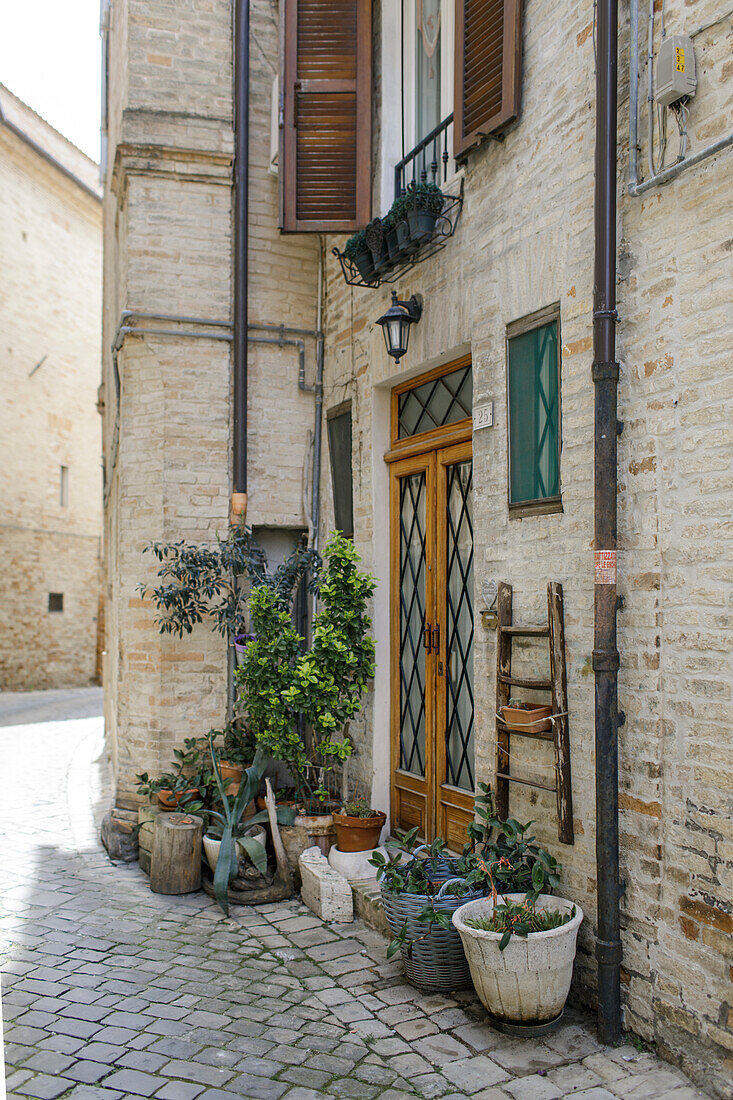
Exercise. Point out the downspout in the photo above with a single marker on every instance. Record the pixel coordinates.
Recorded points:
(605, 652)
(318, 425)
(241, 228)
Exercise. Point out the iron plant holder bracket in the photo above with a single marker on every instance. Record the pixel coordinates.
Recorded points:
(390, 270)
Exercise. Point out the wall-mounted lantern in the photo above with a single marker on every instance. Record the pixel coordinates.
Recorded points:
(396, 324)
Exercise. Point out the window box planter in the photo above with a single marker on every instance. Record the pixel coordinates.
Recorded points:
(421, 225)
(528, 982)
(364, 264)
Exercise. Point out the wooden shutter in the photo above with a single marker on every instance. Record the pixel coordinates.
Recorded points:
(325, 163)
(488, 69)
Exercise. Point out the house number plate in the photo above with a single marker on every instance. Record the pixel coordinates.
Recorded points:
(483, 416)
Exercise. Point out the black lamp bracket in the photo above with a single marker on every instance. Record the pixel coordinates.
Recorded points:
(413, 305)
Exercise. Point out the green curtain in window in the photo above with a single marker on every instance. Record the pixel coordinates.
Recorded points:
(534, 427)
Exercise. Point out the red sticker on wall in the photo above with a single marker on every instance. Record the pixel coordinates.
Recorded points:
(605, 566)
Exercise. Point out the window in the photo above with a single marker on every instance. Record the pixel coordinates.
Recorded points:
(64, 487)
(533, 385)
(427, 45)
(339, 444)
(436, 402)
(55, 601)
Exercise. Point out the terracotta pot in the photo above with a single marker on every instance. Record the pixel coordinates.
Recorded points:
(171, 801)
(233, 772)
(358, 834)
(533, 717)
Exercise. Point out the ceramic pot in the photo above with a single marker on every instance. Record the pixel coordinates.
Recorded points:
(171, 801)
(355, 866)
(240, 643)
(528, 982)
(233, 772)
(531, 717)
(358, 834)
(212, 846)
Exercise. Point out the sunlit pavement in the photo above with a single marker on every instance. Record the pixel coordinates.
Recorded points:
(110, 991)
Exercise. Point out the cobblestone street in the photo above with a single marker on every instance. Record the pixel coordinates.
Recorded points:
(111, 991)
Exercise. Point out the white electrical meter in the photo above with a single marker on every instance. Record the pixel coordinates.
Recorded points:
(676, 77)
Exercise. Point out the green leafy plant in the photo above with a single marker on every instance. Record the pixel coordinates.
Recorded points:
(519, 918)
(424, 196)
(283, 684)
(232, 827)
(355, 245)
(190, 771)
(200, 583)
(358, 807)
(239, 745)
(504, 856)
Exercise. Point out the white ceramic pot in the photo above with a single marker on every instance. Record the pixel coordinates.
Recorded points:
(529, 981)
(355, 866)
(212, 846)
(211, 851)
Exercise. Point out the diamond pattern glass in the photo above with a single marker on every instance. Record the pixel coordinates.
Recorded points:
(459, 740)
(434, 404)
(412, 623)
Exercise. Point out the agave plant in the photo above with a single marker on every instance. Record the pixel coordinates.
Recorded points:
(230, 823)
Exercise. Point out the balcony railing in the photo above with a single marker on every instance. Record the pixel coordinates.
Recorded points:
(428, 161)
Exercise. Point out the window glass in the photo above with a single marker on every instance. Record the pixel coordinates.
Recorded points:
(441, 401)
(339, 445)
(534, 415)
(427, 69)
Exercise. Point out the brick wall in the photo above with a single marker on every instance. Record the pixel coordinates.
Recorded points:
(50, 256)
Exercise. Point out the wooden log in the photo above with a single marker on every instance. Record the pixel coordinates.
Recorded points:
(175, 863)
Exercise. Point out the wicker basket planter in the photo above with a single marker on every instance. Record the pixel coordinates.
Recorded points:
(528, 982)
(437, 962)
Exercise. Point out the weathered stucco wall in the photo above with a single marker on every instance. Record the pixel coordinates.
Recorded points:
(168, 221)
(525, 240)
(50, 308)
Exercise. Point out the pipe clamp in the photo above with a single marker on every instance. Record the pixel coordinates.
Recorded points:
(606, 660)
(605, 372)
(609, 952)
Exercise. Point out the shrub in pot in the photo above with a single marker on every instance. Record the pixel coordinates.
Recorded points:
(357, 250)
(424, 204)
(238, 751)
(189, 782)
(286, 687)
(503, 856)
(358, 826)
(376, 239)
(419, 897)
(520, 952)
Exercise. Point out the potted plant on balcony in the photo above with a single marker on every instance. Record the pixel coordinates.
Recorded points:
(357, 250)
(423, 206)
(399, 242)
(376, 239)
(358, 826)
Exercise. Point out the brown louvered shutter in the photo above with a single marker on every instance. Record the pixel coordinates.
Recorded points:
(325, 163)
(488, 69)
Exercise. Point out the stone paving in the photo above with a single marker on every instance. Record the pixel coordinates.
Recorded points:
(110, 991)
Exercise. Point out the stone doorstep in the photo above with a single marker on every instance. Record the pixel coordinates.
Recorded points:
(368, 906)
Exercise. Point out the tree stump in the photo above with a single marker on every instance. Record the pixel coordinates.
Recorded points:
(175, 862)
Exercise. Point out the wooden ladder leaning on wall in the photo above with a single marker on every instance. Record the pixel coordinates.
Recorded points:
(557, 685)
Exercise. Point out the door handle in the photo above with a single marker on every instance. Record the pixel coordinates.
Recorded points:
(435, 639)
(427, 637)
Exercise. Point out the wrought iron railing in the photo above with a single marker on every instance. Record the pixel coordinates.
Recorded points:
(429, 161)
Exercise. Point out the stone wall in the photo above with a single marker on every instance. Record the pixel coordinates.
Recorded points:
(524, 241)
(50, 306)
(168, 232)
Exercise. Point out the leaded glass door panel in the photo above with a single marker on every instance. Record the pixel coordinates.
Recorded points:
(413, 690)
(455, 764)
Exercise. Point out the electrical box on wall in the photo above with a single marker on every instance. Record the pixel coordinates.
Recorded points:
(676, 77)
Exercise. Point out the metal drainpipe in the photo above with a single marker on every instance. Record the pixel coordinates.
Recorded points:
(241, 229)
(605, 652)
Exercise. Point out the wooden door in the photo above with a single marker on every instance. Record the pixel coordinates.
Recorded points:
(432, 642)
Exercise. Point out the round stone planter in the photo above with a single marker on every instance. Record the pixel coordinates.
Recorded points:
(355, 866)
(529, 981)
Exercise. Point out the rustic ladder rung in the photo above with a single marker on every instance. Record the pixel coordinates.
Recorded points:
(554, 631)
(526, 631)
(537, 735)
(526, 782)
(522, 682)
